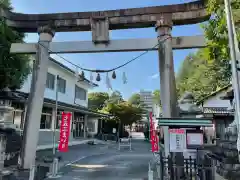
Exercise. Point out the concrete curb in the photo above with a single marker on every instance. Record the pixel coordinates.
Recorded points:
(72, 143)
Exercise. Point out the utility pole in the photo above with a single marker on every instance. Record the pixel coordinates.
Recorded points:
(55, 164)
(56, 118)
(233, 53)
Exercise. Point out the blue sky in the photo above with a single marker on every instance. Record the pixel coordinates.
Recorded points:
(141, 74)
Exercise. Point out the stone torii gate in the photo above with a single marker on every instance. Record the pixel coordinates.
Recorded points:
(100, 22)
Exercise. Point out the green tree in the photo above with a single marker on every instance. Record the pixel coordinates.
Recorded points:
(216, 34)
(15, 68)
(208, 69)
(115, 97)
(97, 100)
(197, 75)
(156, 97)
(135, 99)
(124, 112)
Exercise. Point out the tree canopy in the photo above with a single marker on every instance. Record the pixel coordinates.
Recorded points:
(156, 97)
(97, 100)
(115, 97)
(124, 112)
(14, 67)
(135, 99)
(208, 69)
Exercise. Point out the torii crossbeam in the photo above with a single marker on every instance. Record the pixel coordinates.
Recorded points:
(187, 42)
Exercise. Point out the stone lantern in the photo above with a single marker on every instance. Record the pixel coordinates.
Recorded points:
(6, 109)
(7, 128)
(188, 108)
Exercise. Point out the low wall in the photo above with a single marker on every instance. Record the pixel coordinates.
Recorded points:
(46, 136)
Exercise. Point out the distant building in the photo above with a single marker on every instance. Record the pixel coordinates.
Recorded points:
(146, 98)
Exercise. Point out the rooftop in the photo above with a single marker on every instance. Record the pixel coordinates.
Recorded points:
(225, 88)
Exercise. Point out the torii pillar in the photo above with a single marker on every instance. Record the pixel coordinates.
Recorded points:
(167, 77)
(36, 97)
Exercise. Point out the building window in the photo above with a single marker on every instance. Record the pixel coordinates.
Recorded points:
(46, 120)
(50, 81)
(61, 85)
(80, 93)
(91, 126)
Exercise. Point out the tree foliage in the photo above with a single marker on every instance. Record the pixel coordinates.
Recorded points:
(14, 68)
(156, 97)
(97, 100)
(199, 76)
(124, 112)
(135, 99)
(208, 69)
(115, 97)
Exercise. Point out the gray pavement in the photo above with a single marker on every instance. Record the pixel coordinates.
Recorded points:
(76, 152)
(218, 177)
(108, 163)
(113, 164)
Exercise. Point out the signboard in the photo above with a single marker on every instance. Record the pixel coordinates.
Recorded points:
(64, 132)
(194, 139)
(177, 139)
(153, 135)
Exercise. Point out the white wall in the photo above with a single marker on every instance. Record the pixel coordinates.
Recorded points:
(69, 95)
(215, 101)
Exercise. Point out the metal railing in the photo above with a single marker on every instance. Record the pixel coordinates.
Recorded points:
(180, 168)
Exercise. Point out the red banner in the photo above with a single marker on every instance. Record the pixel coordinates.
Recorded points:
(64, 132)
(153, 135)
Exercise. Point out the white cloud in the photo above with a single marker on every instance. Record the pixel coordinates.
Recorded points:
(154, 76)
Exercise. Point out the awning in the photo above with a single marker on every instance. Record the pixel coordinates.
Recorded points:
(62, 105)
(75, 108)
(185, 122)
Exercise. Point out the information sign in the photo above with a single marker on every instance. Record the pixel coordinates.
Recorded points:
(177, 140)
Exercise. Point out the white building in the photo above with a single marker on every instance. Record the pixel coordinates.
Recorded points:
(218, 108)
(72, 97)
(146, 98)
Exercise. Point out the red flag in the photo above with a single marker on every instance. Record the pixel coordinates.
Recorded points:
(153, 135)
(64, 132)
